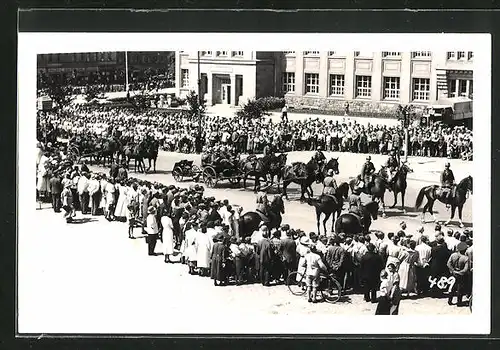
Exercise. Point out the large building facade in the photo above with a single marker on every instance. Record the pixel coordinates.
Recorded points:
(371, 82)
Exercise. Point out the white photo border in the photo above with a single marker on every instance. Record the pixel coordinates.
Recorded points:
(478, 322)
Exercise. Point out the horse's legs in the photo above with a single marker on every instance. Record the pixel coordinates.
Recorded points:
(327, 216)
(310, 191)
(383, 206)
(318, 216)
(395, 198)
(154, 165)
(460, 216)
(431, 205)
(453, 208)
(403, 201)
(285, 185)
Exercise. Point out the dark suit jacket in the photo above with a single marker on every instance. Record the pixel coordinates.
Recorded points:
(55, 185)
(264, 250)
(113, 171)
(439, 259)
(370, 266)
(289, 250)
(213, 215)
(122, 174)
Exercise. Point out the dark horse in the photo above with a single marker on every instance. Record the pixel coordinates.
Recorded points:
(249, 222)
(252, 166)
(352, 224)
(137, 152)
(329, 205)
(333, 164)
(108, 148)
(303, 175)
(151, 153)
(378, 185)
(275, 168)
(456, 201)
(399, 184)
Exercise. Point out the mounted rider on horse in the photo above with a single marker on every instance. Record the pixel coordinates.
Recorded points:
(392, 165)
(263, 208)
(366, 176)
(329, 184)
(447, 184)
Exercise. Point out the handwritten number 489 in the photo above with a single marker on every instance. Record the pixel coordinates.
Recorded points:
(443, 283)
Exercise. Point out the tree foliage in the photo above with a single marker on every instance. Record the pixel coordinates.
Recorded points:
(194, 104)
(257, 108)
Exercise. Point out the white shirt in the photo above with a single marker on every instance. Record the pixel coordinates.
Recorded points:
(82, 185)
(424, 254)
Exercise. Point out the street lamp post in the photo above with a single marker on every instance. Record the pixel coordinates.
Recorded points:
(406, 112)
(126, 71)
(199, 92)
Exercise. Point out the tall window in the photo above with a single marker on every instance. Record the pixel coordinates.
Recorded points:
(237, 53)
(420, 54)
(331, 53)
(390, 54)
(185, 77)
(288, 82)
(391, 88)
(462, 88)
(363, 86)
(451, 55)
(421, 89)
(312, 83)
(460, 55)
(470, 89)
(337, 83)
(289, 52)
(311, 53)
(221, 53)
(452, 87)
(206, 53)
(470, 55)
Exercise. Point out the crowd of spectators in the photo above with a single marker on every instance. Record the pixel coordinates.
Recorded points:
(177, 131)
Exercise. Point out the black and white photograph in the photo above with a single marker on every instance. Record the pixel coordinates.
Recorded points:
(181, 187)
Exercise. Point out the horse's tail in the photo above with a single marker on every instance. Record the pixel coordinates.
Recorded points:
(420, 197)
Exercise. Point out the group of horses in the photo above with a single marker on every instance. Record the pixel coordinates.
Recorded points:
(121, 150)
(305, 174)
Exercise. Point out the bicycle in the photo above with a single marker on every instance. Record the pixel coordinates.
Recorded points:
(329, 287)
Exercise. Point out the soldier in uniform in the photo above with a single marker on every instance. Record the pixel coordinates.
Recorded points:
(329, 184)
(447, 183)
(319, 157)
(366, 173)
(392, 166)
(263, 206)
(355, 202)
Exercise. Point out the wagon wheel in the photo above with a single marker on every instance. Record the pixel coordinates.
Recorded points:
(177, 174)
(209, 177)
(195, 172)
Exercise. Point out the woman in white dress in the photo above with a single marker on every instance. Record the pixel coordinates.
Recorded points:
(203, 249)
(168, 237)
(122, 203)
(110, 199)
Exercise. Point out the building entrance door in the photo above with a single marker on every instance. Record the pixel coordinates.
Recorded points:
(226, 94)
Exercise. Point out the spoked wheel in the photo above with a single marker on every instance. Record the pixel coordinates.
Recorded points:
(296, 284)
(195, 173)
(177, 174)
(332, 290)
(209, 177)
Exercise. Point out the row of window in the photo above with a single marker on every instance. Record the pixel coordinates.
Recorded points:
(414, 54)
(460, 55)
(392, 87)
(223, 53)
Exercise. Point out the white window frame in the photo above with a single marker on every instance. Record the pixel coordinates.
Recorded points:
(451, 55)
(421, 89)
(462, 83)
(421, 54)
(470, 55)
(461, 56)
(184, 78)
(221, 53)
(363, 91)
(363, 54)
(392, 88)
(288, 82)
(337, 84)
(206, 53)
(311, 83)
(388, 54)
(311, 53)
(237, 53)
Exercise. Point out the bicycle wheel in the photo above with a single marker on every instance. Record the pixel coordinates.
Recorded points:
(332, 290)
(296, 287)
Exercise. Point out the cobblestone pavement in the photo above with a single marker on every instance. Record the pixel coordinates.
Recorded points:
(89, 277)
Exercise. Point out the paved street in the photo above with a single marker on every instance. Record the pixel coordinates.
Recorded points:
(89, 277)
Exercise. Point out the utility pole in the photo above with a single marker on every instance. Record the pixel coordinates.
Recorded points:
(126, 71)
(406, 114)
(199, 92)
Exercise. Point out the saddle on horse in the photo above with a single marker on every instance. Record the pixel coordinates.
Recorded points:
(447, 193)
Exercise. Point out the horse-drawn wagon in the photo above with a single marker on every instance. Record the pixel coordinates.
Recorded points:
(225, 170)
(186, 168)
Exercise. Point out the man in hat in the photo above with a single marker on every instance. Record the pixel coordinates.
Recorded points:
(447, 184)
(459, 267)
(151, 230)
(313, 264)
(439, 258)
(367, 171)
(392, 167)
(288, 251)
(423, 267)
(264, 253)
(329, 184)
(371, 264)
(55, 188)
(67, 202)
(319, 157)
(94, 194)
(263, 207)
(354, 201)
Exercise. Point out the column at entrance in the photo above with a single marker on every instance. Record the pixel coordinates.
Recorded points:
(210, 83)
(232, 92)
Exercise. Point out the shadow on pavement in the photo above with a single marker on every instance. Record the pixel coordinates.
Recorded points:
(82, 220)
